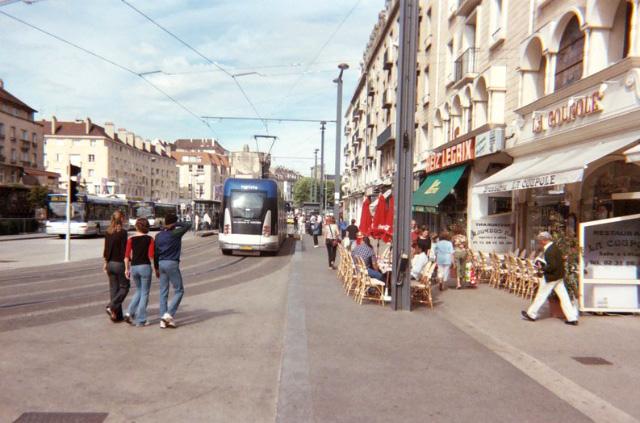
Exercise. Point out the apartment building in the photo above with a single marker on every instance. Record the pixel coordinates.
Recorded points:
(113, 162)
(371, 116)
(205, 145)
(511, 95)
(21, 150)
(201, 175)
(575, 124)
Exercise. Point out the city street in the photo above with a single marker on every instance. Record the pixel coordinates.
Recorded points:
(275, 339)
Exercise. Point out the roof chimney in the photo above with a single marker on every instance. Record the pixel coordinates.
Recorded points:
(54, 125)
(87, 125)
(109, 129)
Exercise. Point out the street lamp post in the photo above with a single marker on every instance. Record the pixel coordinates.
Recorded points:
(337, 182)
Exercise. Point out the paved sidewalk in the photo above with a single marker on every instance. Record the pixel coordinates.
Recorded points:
(345, 362)
(20, 237)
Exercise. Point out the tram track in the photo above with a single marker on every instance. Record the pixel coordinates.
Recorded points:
(203, 278)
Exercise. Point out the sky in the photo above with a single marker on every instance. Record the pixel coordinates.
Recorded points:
(286, 45)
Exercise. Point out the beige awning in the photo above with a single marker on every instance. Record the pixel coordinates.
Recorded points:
(553, 167)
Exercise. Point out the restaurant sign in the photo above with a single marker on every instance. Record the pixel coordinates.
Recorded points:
(575, 109)
(492, 234)
(452, 156)
(490, 142)
(551, 179)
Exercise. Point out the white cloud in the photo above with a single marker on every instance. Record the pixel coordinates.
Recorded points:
(241, 35)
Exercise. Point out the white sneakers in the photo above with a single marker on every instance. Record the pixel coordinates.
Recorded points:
(167, 321)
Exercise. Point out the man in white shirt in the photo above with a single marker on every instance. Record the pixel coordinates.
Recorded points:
(418, 262)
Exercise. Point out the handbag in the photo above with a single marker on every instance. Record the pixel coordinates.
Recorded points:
(334, 240)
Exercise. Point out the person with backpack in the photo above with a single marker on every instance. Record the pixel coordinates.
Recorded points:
(168, 246)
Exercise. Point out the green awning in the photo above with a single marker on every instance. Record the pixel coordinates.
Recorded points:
(435, 188)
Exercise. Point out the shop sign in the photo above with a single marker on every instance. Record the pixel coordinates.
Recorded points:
(452, 156)
(579, 108)
(548, 180)
(492, 234)
(489, 142)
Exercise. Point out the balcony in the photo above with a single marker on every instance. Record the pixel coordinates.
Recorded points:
(2, 136)
(357, 111)
(357, 137)
(465, 67)
(371, 91)
(387, 61)
(386, 99)
(386, 136)
(370, 123)
(12, 138)
(465, 7)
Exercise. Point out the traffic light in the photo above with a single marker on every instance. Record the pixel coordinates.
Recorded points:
(73, 189)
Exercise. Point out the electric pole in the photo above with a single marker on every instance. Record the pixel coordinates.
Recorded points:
(315, 175)
(337, 181)
(322, 187)
(405, 137)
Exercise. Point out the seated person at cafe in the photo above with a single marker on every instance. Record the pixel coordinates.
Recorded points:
(364, 250)
(418, 262)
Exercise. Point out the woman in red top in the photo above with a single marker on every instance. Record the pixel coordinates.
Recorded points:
(137, 259)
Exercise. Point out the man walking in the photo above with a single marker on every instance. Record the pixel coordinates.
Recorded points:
(352, 232)
(167, 264)
(553, 267)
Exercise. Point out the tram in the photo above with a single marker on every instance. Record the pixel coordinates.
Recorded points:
(254, 216)
(90, 215)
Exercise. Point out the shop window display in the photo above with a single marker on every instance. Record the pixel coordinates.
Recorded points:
(599, 199)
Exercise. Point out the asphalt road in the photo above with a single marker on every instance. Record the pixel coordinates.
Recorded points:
(61, 353)
(264, 339)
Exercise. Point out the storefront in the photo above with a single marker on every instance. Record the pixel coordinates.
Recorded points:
(444, 200)
(576, 172)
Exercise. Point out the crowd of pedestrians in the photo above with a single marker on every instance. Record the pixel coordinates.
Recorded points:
(135, 259)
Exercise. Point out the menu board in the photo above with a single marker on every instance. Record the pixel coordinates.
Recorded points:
(614, 247)
(492, 234)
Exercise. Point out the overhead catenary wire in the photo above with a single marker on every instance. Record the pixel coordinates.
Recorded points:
(196, 51)
(321, 49)
(112, 63)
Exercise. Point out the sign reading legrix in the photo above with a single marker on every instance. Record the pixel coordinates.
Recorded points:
(451, 156)
(492, 234)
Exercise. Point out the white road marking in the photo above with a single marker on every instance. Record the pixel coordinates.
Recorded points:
(583, 400)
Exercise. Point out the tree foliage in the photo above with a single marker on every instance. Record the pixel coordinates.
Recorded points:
(37, 196)
(303, 191)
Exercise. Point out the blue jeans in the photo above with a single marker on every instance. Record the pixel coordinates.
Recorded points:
(375, 274)
(141, 276)
(170, 273)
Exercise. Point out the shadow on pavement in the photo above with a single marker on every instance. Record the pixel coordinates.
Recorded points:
(192, 317)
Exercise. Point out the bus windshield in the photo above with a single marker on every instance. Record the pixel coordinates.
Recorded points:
(57, 211)
(143, 211)
(247, 205)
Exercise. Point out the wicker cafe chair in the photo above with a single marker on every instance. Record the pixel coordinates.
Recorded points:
(351, 279)
(421, 289)
(532, 280)
(342, 267)
(482, 268)
(369, 289)
(498, 273)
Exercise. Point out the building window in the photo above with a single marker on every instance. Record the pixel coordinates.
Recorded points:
(496, 18)
(200, 168)
(92, 158)
(92, 143)
(25, 135)
(190, 168)
(13, 132)
(1, 130)
(570, 55)
(77, 143)
(91, 173)
(34, 138)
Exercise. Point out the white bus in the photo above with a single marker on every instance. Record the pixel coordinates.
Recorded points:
(152, 211)
(90, 215)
